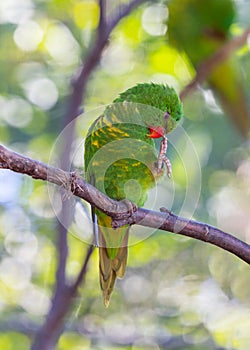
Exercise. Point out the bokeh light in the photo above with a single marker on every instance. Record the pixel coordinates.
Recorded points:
(28, 35)
(16, 11)
(42, 92)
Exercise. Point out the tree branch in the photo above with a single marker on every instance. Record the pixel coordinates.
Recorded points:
(208, 65)
(164, 220)
(50, 331)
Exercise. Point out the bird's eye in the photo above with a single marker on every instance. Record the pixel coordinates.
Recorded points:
(166, 115)
(166, 118)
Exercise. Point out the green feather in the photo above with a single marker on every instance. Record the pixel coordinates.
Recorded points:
(120, 161)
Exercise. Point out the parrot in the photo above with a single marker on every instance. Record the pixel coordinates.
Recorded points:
(199, 28)
(121, 160)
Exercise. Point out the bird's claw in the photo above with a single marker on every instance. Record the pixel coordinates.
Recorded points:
(163, 159)
(127, 218)
(132, 208)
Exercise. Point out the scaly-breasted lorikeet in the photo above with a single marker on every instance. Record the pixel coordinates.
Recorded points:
(121, 160)
(199, 28)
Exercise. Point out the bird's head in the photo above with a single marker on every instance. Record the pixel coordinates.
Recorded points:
(159, 107)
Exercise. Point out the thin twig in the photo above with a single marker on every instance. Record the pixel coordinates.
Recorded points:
(103, 19)
(83, 270)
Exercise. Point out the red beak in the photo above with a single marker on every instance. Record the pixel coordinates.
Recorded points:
(156, 132)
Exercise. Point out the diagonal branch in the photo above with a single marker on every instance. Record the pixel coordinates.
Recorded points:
(164, 220)
(208, 65)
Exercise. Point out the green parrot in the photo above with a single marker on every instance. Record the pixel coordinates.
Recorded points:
(121, 161)
(200, 28)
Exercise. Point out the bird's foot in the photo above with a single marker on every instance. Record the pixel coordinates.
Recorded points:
(128, 217)
(131, 209)
(163, 159)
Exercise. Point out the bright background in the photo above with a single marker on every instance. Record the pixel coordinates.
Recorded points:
(178, 293)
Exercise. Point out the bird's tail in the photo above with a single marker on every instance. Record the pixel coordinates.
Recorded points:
(111, 267)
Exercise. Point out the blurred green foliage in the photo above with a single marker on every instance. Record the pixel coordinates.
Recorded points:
(177, 293)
